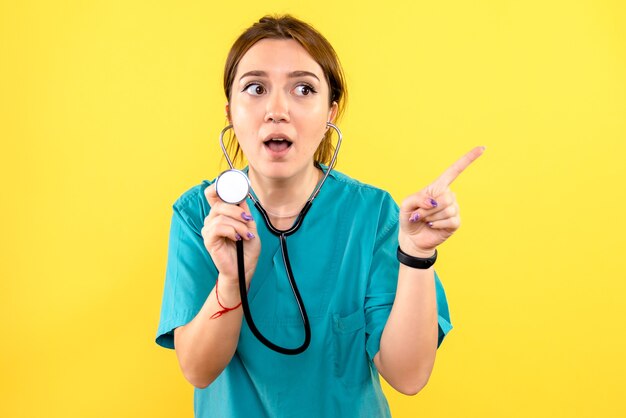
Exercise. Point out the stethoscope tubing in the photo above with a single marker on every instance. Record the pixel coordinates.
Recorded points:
(282, 236)
(294, 288)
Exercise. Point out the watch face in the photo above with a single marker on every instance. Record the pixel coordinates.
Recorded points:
(232, 186)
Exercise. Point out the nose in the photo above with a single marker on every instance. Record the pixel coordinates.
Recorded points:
(277, 108)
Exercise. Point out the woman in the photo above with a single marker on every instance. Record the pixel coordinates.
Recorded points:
(369, 314)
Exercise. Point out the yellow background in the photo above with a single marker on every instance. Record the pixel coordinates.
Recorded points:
(109, 110)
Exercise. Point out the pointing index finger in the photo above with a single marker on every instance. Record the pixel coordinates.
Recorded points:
(457, 168)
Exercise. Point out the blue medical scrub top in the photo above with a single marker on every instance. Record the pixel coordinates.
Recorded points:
(344, 262)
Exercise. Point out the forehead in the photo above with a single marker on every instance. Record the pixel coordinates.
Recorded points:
(278, 56)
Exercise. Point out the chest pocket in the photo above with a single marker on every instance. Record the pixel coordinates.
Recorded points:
(351, 363)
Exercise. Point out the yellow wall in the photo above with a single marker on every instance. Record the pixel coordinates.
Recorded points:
(109, 110)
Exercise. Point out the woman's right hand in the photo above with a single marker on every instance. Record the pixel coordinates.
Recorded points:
(226, 224)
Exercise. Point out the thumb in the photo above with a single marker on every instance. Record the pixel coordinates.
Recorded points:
(211, 195)
(424, 199)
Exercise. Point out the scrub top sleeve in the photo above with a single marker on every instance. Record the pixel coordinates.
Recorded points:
(190, 274)
(445, 325)
(383, 276)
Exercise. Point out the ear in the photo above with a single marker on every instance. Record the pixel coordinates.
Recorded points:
(227, 110)
(332, 113)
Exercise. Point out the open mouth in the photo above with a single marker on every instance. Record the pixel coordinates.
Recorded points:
(278, 144)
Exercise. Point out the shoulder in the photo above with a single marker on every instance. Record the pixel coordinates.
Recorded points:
(363, 201)
(366, 211)
(356, 190)
(192, 205)
(192, 195)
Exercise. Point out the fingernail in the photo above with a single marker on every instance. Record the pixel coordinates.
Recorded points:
(433, 202)
(414, 217)
(238, 236)
(246, 217)
(430, 224)
(250, 235)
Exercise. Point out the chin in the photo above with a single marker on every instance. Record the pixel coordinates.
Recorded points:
(275, 170)
(279, 170)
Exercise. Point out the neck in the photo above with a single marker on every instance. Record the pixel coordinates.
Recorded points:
(284, 198)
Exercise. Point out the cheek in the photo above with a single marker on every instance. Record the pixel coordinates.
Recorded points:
(243, 121)
(311, 119)
(244, 133)
(242, 107)
(239, 114)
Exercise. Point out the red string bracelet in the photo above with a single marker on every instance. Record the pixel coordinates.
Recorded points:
(224, 308)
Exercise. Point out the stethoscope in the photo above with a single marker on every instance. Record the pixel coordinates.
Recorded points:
(233, 186)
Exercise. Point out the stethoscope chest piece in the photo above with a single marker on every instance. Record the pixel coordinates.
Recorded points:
(232, 186)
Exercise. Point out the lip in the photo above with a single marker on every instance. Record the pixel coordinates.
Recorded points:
(278, 135)
(277, 154)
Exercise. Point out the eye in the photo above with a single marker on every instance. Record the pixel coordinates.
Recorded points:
(304, 90)
(254, 89)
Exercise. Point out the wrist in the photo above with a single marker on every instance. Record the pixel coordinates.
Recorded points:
(228, 291)
(422, 263)
(411, 249)
(419, 253)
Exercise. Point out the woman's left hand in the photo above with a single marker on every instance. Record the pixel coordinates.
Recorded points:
(430, 216)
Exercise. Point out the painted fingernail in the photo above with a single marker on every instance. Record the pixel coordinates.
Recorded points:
(246, 217)
(433, 202)
(430, 224)
(238, 236)
(250, 235)
(414, 217)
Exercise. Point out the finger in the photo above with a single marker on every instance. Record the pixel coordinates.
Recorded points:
(435, 205)
(444, 201)
(415, 201)
(233, 211)
(218, 232)
(241, 227)
(251, 224)
(457, 168)
(449, 212)
(451, 223)
(216, 225)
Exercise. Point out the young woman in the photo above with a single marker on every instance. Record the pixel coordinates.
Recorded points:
(363, 266)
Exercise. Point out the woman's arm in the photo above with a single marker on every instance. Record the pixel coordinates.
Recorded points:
(205, 345)
(409, 340)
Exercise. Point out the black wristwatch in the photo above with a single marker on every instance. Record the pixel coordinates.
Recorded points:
(416, 262)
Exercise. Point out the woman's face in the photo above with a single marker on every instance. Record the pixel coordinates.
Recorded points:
(279, 107)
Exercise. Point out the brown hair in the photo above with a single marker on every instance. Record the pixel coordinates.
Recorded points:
(313, 42)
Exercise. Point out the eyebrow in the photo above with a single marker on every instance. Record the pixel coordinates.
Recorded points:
(293, 74)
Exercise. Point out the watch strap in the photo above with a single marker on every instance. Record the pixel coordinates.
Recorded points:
(416, 262)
